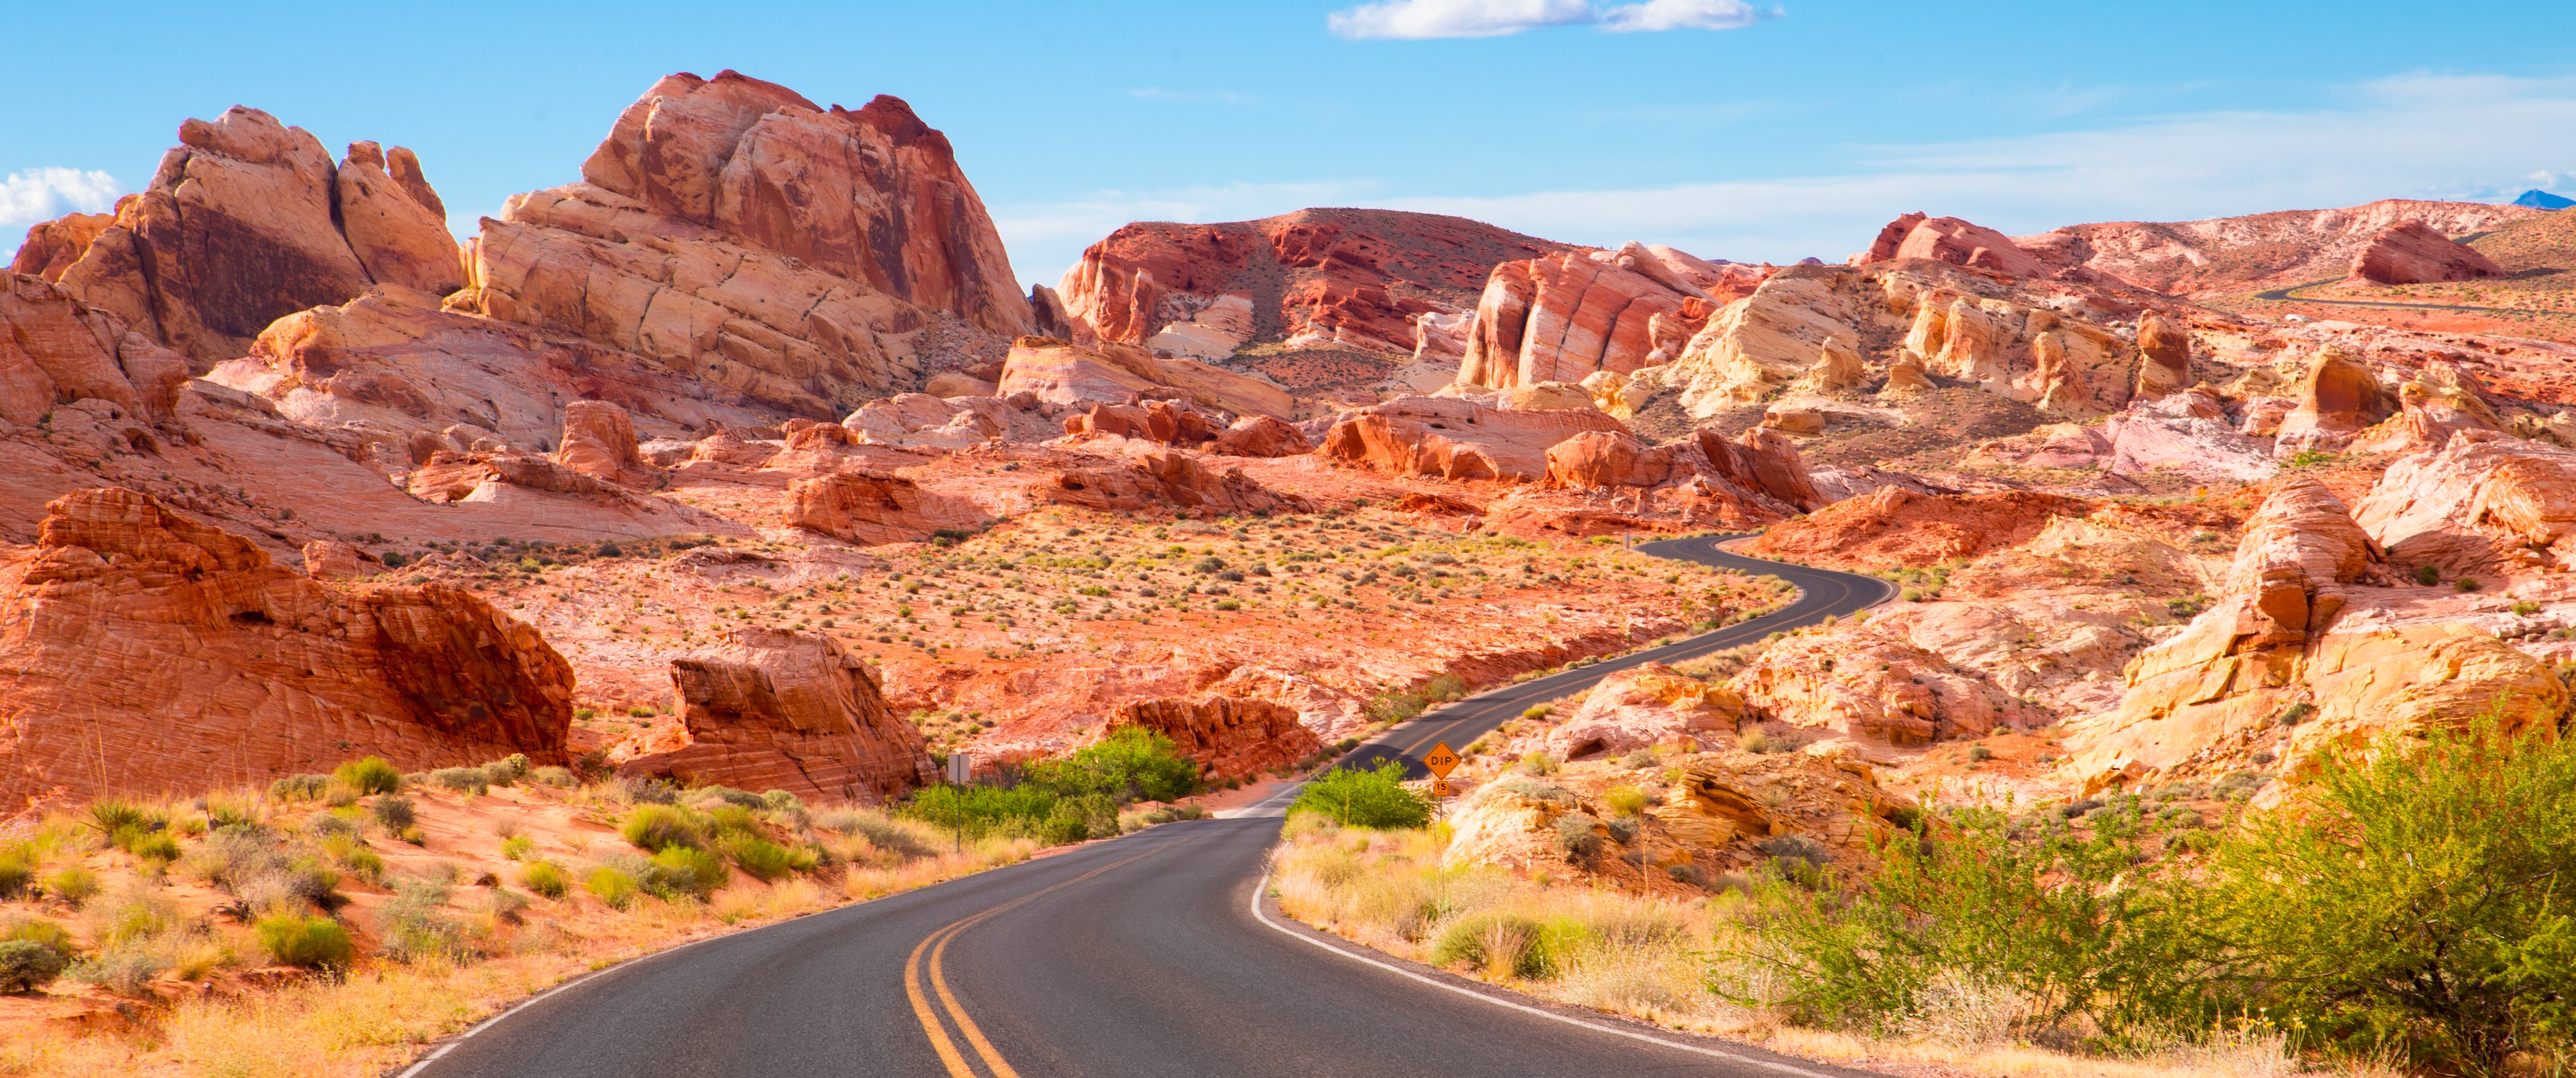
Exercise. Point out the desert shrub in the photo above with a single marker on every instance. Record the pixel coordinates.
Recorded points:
(1372, 798)
(1540, 764)
(157, 846)
(517, 847)
(26, 966)
(2427, 575)
(760, 858)
(1575, 835)
(544, 878)
(507, 770)
(1404, 704)
(1624, 800)
(17, 869)
(881, 832)
(42, 932)
(372, 775)
(74, 885)
(781, 801)
(312, 942)
(294, 788)
(1506, 944)
(124, 969)
(1756, 740)
(415, 923)
(2398, 908)
(648, 791)
(396, 813)
(661, 827)
(1534, 789)
(560, 778)
(613, 887)
(351, 853)
(469, 780)
(976, 811)
(1130, 764)
(684, 871)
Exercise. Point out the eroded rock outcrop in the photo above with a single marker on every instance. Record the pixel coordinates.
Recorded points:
(2413, 252)
(1163, 479)
(2485, 502)
(772, 710)
(1458, 439)
(599, 442)
(1952, 240)
(2337, 399)
(1899, 527)
(197, 661)
(1562, 317)
(1230, 737)
(869, 509)
(1261, 436)
(1061, 372)
(55, 349)
(1643, 707)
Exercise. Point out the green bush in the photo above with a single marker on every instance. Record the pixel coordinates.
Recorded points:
(469, 780)
(2419, 899)
(311, 942)
(2428, 575)
(74, 885)
(1504, 942)
(299, 788)
(46, 933)
(517, 848)
(613, 887)
(396, 813)
(545, 878)
(17, 870)
(981, 810)
(372, 775)
(26, 966)
(1130, 764)
(415, 925)
(661, 827)
(686, 871)
(560, 778)
(1373, 798)
(760, 858)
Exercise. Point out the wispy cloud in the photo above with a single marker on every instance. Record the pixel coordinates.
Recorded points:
(40, 193)
(1221, 97)
(1420, 20)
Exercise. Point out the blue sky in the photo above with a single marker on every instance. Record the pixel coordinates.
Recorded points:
(1780, 132)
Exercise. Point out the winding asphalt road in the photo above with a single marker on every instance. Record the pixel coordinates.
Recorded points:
(1149, 955)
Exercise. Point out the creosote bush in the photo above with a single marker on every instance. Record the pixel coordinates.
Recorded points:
(1375, 798)
(311, 942)
(372, 775)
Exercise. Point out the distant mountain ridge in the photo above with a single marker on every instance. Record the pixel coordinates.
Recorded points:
(2543, 200)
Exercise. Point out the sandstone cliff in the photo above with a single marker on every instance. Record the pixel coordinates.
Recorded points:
(770, 710)
(1230, 737)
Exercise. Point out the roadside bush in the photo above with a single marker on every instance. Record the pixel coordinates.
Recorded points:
(1130, 764)
(415, 924)
(660, 827)
(1373, 798)
(760, 858)
(544, 878)
(981, 810)
(372, 775)
(470, 780)
(294, 788)
(1405, 704)
(311, 942)
(396, 813)
(684, 871)
(613, 887)
(26, 966)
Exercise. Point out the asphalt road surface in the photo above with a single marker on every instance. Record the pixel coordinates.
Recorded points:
(1148, 955)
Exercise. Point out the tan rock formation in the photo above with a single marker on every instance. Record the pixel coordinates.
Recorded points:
(1562, 317)
(52, 246)
(1261, 436)
(868, 509)
(1547, 396)
(599, 442)
(1595, 459)
(1156, 421)
(1458, 439)
(1230, 737)
(143, 653)
(55, 350)
(1837, 368)
(2413, 252)
(1643, 707)
(2485, 502)
(396, 227)
(2337, 399)
(1060, 372)
(772, 710)
(1734, 799)
(1873, 689)
(2234, 255)
(2164, 352)
(1173, 479)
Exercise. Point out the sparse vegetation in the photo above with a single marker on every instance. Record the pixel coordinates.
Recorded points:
(1373, 798)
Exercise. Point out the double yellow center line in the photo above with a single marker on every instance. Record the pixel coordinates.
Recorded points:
(923, 980)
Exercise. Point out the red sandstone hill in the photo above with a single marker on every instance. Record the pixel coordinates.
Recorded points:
(2262, 250)
(1354, 278)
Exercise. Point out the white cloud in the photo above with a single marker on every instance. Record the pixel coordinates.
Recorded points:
(39, 194)
(1418, 20)
(1658, 15)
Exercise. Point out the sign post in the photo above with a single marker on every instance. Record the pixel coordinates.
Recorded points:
(1441, 760)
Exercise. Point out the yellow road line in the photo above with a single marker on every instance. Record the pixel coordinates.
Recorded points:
(936, 944)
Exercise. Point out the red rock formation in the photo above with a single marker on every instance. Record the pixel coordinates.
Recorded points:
(1155, 421)
(55, 350)
(2229, 255)
(1596, 459)
(1896, 527)
(1261, 436)
(52, 246)
(869, 509)
(2337, 400)
(1230, 737)
(2164, 354)
(1458, 439)
(1949, 239)
(1059, 372)
(1352, 278)
(394, 222)
(1562, 317)
(599, 442)
(2413, 252)
(1163, 480)
(144, 653)
(771, 710)
(1764, 462)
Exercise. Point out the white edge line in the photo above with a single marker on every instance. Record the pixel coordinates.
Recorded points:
(1264, 888)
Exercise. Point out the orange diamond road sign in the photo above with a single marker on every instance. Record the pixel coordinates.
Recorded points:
(1442, 760)
(1441, 788)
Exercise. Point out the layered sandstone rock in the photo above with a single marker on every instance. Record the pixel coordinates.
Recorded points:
(2164, 351)
(1644, 707)
(1261, 436)
(1229, 737)
(2337, 399)
(1060, 372)
(200, 662)
(243, 225)
(2485, 502)
(1607, 459)
(1949, 239)
(1898, 527)
(2415, 253)
(55, 349)
(1873, 689)
(599, 441)
(1357, 279)
(1458, 439)
(1736, 799)
(2230, 255)
(1156, 421)
(925, 421)
(738, 233)
(1155, 479)
(869, 509)
(1565, 316)
(772, 710)
(1765, 462)
(52, 246)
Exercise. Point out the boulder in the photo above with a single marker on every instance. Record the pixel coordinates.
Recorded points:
(1595, 459)
(950, 384)
(1644, 707)
(1764, 462)
(205, 664)
(1060, 372)
(55, 349)
(1458, 439)
(1230, 737)
(1261, 436)
(1154, 421)
(1857, 683)
(52, 246)
(2337, 399)
(328, 560)
(2484, 502)
(1958, 242)
(870, 509)
(599, 441)
(2164, 353)
(775, 710)
(1837, 367)
(2412, 252)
